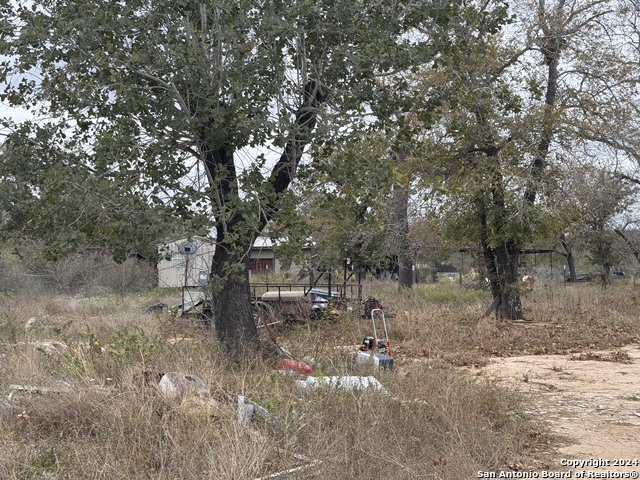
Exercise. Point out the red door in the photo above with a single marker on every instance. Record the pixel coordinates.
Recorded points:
(261, 265)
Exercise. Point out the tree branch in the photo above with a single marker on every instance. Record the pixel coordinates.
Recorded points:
(284, 170)
(169, 86)
(634, 249)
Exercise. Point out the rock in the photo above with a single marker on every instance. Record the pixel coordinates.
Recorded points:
(248, 411)
(175, 385)
(51, 347)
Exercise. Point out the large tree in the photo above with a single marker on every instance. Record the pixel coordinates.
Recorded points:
(526, 99)
(589, 203)
(170, 91)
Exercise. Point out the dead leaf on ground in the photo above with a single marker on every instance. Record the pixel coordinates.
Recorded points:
(619, 356)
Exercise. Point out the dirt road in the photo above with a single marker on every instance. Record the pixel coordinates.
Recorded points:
(590, 401)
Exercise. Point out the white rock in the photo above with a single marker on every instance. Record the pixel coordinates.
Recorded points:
(176, 385)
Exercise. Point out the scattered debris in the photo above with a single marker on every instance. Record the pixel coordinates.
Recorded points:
(373, 349)
(195, 304)
(347, 382)
(292, 302)
(287, 366)
(155, 308)
(309, 463)
(175, 385)
(369, 305)
(377, 359)
(247, 411)
(62, 387)
(32, 324)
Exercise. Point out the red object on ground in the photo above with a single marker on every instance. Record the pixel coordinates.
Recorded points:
(294, 365)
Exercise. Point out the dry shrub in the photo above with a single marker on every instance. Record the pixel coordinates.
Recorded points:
(436, 421)
(86, 273)
(126, 435)
(440, 425)
(96, 273)
(14, 278)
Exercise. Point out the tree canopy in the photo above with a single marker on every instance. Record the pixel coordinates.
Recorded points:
(153, 115)
(168, 97)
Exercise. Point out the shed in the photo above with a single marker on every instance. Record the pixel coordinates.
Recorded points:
(178, 267)
(175, 266)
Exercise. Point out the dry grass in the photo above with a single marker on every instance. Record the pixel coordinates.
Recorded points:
(107, 420)
(443, 322)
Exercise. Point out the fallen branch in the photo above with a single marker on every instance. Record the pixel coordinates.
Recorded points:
(32, 389)
(311, 463)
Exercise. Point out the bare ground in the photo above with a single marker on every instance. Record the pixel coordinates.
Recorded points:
(590, 401)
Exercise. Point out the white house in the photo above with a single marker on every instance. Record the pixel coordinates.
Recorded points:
(187, 261)
(181, 265)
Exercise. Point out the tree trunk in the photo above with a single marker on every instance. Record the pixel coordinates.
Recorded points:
(229, 281)
(401, 236)
(606, 273)
(571, 264)
(232, 306)
(507, 259)
(502, 267)
(500, 247)
(501, 262)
